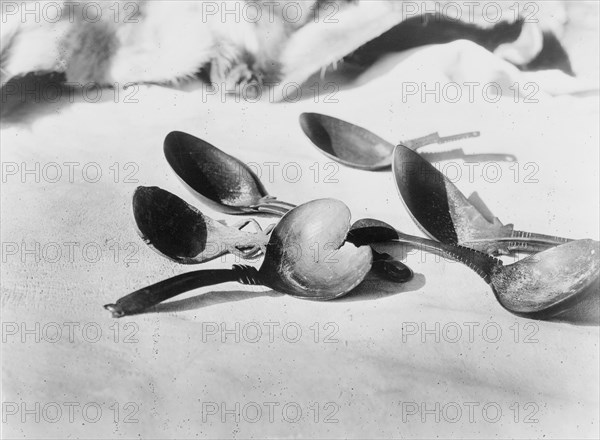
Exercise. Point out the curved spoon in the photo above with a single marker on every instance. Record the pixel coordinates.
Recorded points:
(307, 256)
(181, 233)
(445, 214)
(220, 180)
(541, 285)
(357, 147)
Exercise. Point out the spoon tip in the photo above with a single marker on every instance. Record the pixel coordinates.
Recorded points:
(115, 310)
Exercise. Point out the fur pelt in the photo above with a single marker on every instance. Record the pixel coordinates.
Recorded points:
(236, 43)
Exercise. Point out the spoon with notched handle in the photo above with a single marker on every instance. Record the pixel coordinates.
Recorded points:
(307, 256)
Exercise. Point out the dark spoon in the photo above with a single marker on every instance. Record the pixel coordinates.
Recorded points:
(307, 256)
(357, 147)
(445, 214)
(542, 285)
(218, 179)
(180, 232)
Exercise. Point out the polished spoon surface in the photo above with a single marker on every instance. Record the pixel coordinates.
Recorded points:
(541, 285)
(445, 214)
(357, 147)
(222, 181)
(307, 256)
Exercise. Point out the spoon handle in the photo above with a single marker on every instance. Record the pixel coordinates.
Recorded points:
(434, 138)
(147, 297)
(459, 153)
(270, 205)
(483, 264)
(272, 201)
(508, 245)
(278, 211)
(540, 237)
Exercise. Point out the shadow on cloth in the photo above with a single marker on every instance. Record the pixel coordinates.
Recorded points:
(372, 288)
(583, 310)
(29, 97)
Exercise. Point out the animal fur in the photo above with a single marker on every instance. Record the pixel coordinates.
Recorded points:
(150, 41)
(153, 41)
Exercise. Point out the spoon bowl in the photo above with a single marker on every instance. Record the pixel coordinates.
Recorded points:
(181, 233)
(347, 143)
(308, 256)
(549, 278)
(221, 181)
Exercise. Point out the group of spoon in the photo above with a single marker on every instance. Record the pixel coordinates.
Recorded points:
(545, 284)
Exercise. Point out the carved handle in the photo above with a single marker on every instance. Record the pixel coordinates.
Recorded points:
(147, 297)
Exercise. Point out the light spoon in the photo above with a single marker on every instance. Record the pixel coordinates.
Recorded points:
(542, 285)
(357, 147)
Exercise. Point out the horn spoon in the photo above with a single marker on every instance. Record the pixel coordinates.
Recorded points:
(445, 214)
(307, 257)
(357, 147)
(539, 286)
(181, 233)
(222, 181)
